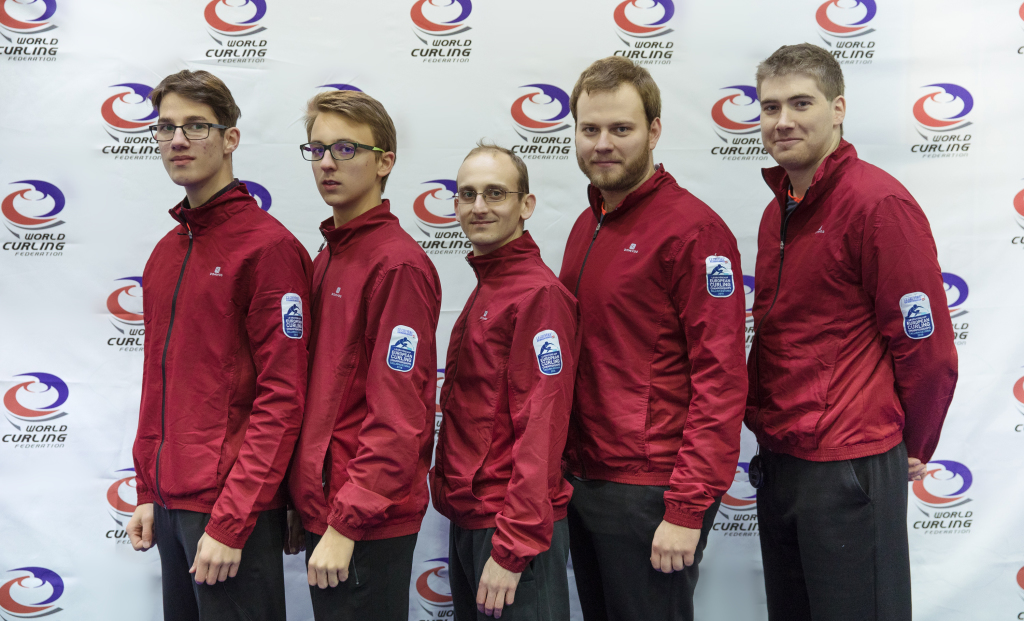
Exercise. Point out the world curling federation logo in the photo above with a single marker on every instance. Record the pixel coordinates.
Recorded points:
(738, 504)
(27, 17)
(945, 108)
(435, 217)
(846, 18)
(644, 19)
(941, 496)
(1018, 208)
(736, 121)
(33, 592)
(122, 500)
(432, 589)
(235, 19)
(437, 24)
(125, 307)
(36, 401)
(31, 209)
(542, 112)
(260, 193)
(127, 115)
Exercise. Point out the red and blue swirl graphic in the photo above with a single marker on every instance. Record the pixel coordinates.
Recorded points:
(139, 94)
(857, 17)
(260, 193)
(120, 508)
(444, 28)
(935, 489)
(741, 495)
(956, 293)
(130, 294)
(545, 95)
(660, 12)
(236, 27)
(44, 383)
(727, 108)
(1018, 394)
(443, 197)
(432, 586)
(26, 25)
(748, 293)
(39, 584)
(1018, 208)
(13, 208)
(342, 87)
(950, 93)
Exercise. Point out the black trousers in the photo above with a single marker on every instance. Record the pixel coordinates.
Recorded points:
(543, 590)
(834, 538)
(256, 593)
(377, 588)
(611, 529)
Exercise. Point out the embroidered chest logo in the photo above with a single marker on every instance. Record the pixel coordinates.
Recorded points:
(821, 229)
(719, 276)
(917, 315)
(402, 350)
(216, 272)
(632, 248)
(337, 292)
(291, 315)
(484, 316)
(549, 354)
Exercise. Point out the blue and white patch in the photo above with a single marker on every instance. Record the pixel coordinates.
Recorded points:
(402, 350)
(291, 315)
(549, 354)
(917, 315)
(719, 273)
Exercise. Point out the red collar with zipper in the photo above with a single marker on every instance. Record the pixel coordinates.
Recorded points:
(660, 386)
(224, 376)
(505, 402)
(836, 369)
(362, 458)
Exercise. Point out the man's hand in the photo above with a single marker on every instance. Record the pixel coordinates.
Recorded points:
(673, 547)
(140, 527)
(215, 562)
(497, 589)
(294, 535)
(915, 469)
(328, 565)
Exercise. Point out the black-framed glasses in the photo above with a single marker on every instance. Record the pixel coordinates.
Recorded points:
(341, 150)
(163, 132)
(491, 195)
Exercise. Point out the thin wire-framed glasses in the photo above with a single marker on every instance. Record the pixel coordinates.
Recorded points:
(164, 132)
(491, 195)
(341, 150)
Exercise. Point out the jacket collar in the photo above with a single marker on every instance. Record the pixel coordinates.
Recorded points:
(504, 259)
(221, 206)
(824, 178)
(637, 196)
(340, 238)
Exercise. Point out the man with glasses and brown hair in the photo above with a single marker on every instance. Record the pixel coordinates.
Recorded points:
(505, 402)
(853, 365)
(359, 477)
(655, 434)
(224, 375)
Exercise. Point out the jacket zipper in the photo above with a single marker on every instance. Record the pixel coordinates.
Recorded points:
(757, 340)
(163, 366)
(319, 291)
(579, 279)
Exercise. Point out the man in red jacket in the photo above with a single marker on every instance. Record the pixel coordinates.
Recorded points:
(655, 434)
(359, 476)
(852, 367)
(506, 401)
(224, 375)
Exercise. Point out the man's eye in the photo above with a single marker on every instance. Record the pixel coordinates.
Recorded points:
(195, 127)
(494, 194)
(467, 195)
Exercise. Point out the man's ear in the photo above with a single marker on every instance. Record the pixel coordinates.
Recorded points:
(528, 206)
(231, 139)
(838, 111)
(654, 133)
(386, 163)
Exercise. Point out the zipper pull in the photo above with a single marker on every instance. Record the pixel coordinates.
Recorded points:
(189, 228)
(782, 245)
(599, 223)
(321, 249)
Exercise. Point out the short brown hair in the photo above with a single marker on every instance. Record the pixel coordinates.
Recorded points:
(523, 184)
(809, 60)
(203, 87)
(359, 107)
(608, 74)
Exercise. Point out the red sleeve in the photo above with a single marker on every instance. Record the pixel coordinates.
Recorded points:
(713, 323)
(541, 375)
(899, 263)
(402, 316)
(279, 354)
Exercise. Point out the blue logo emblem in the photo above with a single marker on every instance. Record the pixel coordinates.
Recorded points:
(291, 315)
(719, 274)
(549, 354)
(402, 350)
(917, 315)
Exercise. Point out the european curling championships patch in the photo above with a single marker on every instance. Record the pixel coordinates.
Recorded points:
(719, 274)
(402, 350)
(291, 315)
(917, 315)
(549, 354)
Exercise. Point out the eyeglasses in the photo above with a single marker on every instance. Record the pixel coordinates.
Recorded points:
(193, 131)
(491, 195)
(340, 151)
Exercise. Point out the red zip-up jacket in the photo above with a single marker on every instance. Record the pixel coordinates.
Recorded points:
(842, 364)
(363, 454)
(225, 301)
(506, 401)
(660, 387)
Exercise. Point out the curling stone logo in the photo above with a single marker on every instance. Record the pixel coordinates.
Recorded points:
(125, 307)
(24, 20)
(231, 23)
(31, 593)
(260, 193)
(641, 26)
(736, 515)
(27, 212)
(537, 116)
(122, 499)
(435, 217)
(942, 114)
(432, 590)
(438, 24)
(956, 298)
(941, 496)
(736, 120)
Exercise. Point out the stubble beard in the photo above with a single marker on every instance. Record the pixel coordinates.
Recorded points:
(631, 175)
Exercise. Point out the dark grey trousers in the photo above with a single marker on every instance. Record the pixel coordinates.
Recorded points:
(834, 538)
(543, 590)
(256, 593)
(377, 588)
(611, 529)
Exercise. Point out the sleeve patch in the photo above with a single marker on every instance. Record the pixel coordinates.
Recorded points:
(917, 315)
(549, 354)
(291, 315)
(719, 275)
(402, 350)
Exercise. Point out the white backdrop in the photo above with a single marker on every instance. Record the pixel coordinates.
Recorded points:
(932, 88)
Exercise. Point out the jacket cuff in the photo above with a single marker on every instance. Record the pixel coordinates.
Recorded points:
(335, 522)
(507, 560)
(145, 497)
(684, 517)
(225, 536)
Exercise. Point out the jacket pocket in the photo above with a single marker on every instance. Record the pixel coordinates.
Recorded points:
(190, 470)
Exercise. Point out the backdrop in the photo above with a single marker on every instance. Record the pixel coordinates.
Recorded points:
(932, 88)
